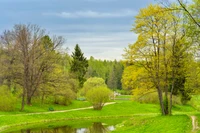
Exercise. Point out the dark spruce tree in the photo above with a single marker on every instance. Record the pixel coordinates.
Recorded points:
(79, 65)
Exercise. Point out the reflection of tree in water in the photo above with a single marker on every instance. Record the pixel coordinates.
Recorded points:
(64, 129)
(97, 127)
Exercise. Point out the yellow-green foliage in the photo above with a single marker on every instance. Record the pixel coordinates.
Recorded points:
(135, 77)
(152, 97)
(7, 100)
(98, 97)
(65, 97)
(92, 83)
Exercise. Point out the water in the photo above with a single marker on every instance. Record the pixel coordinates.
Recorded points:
(70, 127)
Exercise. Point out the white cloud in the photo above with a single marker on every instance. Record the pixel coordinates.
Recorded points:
(108, 46)
(89, 27)
(94, 14)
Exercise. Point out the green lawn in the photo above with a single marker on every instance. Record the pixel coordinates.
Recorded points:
(37, 107)
(124, 96)
(146, 115)
(158, 124)
(120, 109)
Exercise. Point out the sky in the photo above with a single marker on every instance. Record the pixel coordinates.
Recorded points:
(100, 27)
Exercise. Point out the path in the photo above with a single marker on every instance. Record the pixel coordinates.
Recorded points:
(60, 111)
(194, 123)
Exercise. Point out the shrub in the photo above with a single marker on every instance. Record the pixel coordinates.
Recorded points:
(7, 99)
(91, 83)
(98, 96)
(64, 98)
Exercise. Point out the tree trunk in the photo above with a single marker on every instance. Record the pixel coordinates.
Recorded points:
(28, 99)
(23, 100)
(43, 95)
(161, 100)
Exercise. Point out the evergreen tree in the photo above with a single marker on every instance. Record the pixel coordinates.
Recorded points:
(79, 65)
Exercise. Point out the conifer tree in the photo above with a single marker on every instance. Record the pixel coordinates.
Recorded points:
(79, 64)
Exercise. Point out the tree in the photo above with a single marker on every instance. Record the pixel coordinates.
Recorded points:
(34, 55)
(92, 83)
(110, 71)
(98, 96)
(160, 49)
(193, 17)
(79, 65)
(115, 75)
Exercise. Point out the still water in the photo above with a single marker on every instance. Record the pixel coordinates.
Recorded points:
(80, 127)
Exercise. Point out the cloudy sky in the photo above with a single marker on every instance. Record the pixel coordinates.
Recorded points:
(100, 27)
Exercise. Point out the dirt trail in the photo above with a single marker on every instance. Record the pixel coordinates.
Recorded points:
(194, 123)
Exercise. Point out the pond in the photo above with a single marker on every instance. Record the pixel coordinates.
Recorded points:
(70, 126)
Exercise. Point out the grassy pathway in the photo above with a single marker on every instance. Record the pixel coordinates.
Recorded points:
(60, 111)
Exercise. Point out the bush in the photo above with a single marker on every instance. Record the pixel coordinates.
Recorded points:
(7, 99)
(98, 96)
(91, 83)
(64, 98)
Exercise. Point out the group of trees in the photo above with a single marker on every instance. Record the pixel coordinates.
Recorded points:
(32, 64)
(35, 65)
(110, 71)
(167, 42)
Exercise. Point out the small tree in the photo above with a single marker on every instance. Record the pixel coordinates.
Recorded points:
(92, 83)
(98, 97)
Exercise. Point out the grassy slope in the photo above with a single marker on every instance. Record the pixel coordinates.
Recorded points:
(140, 112)
(125, 108)
(158, 124)
(36, 107)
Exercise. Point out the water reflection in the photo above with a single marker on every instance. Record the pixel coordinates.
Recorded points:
(96, 127)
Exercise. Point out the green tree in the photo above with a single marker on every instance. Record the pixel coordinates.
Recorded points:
(79, 65)
(34, 57)
(92, 83)
(98, 96)
(110, 71)
(160, 50)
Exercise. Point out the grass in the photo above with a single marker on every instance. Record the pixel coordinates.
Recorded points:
(158, 124)
(145, 115)
(124, 96)
(37, 107)
(120, 109)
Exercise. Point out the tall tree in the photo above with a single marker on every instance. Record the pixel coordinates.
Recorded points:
(160, 49)
(79, 65)
(35, 55)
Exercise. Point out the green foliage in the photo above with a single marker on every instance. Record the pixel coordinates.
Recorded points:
(98, 96)
(79, 64)
(136, 77)
(92, 83)
(110, 71)
(194, 102)
(7, 99)
(64, 97)
(115, 76)
(152, 97)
